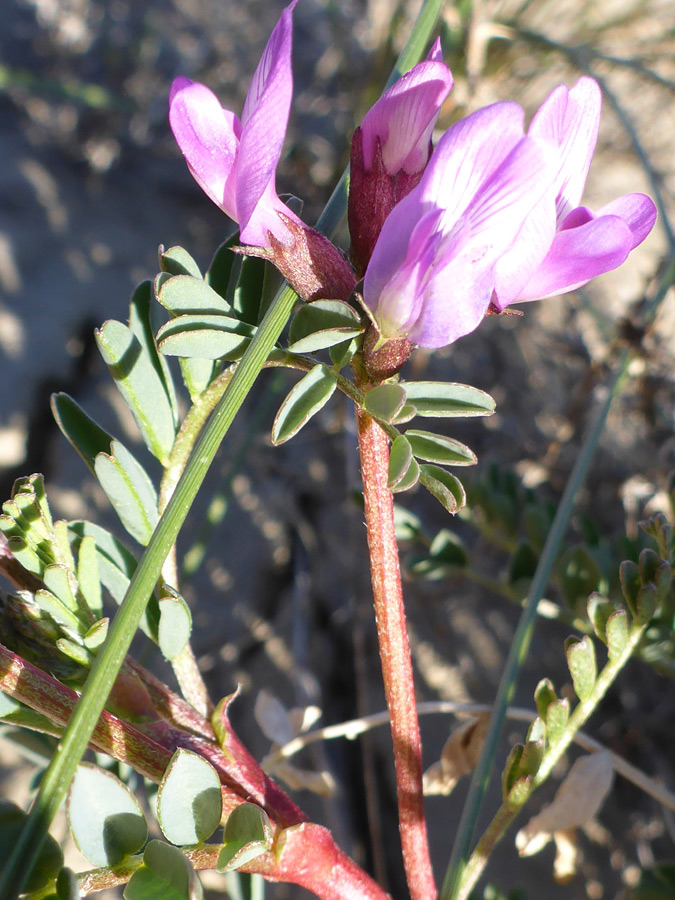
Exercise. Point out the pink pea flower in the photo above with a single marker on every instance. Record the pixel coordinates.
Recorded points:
(234, 160)
(391, 148)
(556, 254)
(432, 272)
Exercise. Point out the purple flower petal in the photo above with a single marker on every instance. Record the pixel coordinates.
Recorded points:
(403, 118)
(517, 266)
(454, 301)
(264, 121)
(502, 204)
(391, 248)
(570, 120)
(431, 276)
(457, 294)
(467, 154)
(498, 220)
(208, 136)
(579, 254)
(638, 212)
(435, 54)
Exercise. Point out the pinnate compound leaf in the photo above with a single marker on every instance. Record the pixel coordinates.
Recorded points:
(116, 564)
(222, 265)
(205, 337)
(88, 575)
(62, 584)
(340, 354)
(74, 651)
(385, 401)
(137, 380)
(25, 555)
(582, 665)
(647, 601)
(537, 731)
(57, 610)
(520, 792)
(322, 324)
(85, 436)
(617, 633)
(630, 583)
(447, 399)
(175, 625)
(50, 858)
(557, 714)
(522, 763)
(189, 801)
(140, 321)
(166, 874)
(544, 695)
(405, 414)
(104, 817)
(197, 373)
(129, 489)
(658, 527)
(96, 635)
(247, 834)
(649, 564)
(409, 479)
(177, 261)
(304, 400)
(184, 294)
(599, 610)
(437, 448)
(400, 458)
(444, 487)
(247, 288)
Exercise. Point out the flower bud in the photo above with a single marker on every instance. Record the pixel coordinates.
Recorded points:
(391, 148)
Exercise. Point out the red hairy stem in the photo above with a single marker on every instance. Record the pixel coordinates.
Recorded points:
(148, 747)
(395, 656)
(304, 853)
(25, 682)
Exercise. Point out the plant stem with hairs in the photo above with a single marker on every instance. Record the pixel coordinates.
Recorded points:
(395, 655)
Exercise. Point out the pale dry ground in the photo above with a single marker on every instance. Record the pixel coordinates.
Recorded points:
(86, 194)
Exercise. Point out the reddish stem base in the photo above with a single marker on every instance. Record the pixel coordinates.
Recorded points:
(395, 656)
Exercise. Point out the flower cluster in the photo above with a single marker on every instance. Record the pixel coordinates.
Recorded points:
(489, 217)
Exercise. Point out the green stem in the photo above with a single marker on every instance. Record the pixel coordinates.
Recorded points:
(418, 40)
(508, 811)
(190, 430)
(54, 785)
(521, 642)
(185, 665)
